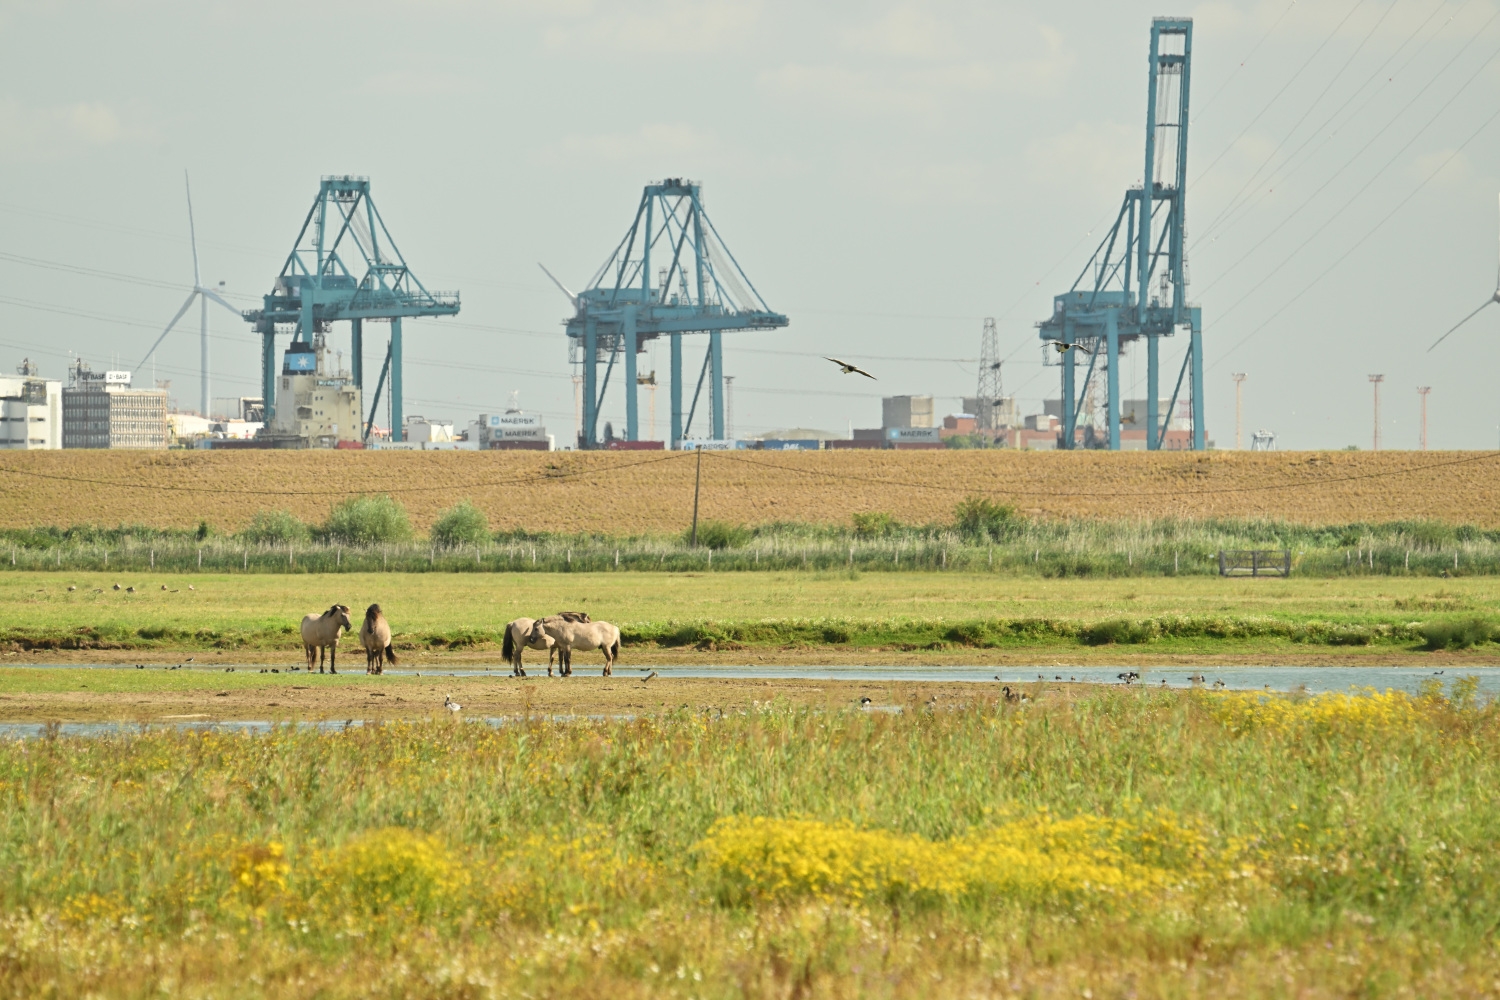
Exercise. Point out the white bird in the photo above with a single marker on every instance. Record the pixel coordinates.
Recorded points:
(849, 369)
(1065, 348)
(451, 705)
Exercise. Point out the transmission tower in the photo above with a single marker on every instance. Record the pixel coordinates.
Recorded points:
(1375, 381)
(1422, 391)
(989, 391)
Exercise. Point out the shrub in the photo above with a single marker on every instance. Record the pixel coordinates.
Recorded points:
(718, 535)
(203, 530)
(368, 520)
(1456, 635)
(461, 524)
(274, 526)
(1117, 630)
(1350, 637)
(981, 518)
(875, 524)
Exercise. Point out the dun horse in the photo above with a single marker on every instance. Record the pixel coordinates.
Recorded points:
(518, 638)
(570, 634)
(375, 636)
(321, 632)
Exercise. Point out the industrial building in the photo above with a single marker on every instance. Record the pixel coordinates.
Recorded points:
(30, 410)
(317, 404)
(103, 410)
(511, 430)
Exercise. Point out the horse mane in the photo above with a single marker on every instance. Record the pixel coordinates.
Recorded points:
(373, 613)
(576, 617)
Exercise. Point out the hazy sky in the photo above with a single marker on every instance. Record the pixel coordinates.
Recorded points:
(888, 174)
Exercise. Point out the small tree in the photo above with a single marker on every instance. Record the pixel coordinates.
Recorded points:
(368, 520)
(274, 526)
(461, 524)
(981, 518)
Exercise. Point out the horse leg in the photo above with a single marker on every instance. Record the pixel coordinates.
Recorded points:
(333, 659)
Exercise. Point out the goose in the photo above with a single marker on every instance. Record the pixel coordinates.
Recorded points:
(451, 705)
(71, 587)
(128, 590)
(1010, 696)
(864, 702)
(117, 586)
(849, 369)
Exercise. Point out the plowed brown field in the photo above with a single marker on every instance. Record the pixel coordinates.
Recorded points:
(624, 493)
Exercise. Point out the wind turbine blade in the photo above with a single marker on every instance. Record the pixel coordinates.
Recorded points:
(192, 233)
(564, 288)
(1461, 322)
(1497, 283)
(209, 293)
(191, 295)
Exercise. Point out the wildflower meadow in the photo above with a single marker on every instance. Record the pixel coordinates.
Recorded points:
(1122, 842)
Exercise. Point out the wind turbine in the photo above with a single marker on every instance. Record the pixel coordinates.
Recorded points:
(203, 295)
(1488, 302)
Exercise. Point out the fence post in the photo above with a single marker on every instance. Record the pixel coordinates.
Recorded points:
(106, 558)
(617, 558)
(1455, 559)
(385, 559)
(200, 558)
(1408, 558)
(1174, 560)
(851, 556)
(153, 558)
(59, 557)
(338, 557)
(945, 557)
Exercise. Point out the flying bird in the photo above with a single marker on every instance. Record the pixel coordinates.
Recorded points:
(849, 369)
(1065, 348)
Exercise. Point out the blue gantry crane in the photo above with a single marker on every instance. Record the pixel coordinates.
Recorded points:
(1135, 285)
(344, 265)
(699, 288)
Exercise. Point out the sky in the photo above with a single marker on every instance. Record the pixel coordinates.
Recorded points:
(888, 175)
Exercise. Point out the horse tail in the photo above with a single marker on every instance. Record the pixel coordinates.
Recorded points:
(390, 654)
(614, 650)
(508, 648)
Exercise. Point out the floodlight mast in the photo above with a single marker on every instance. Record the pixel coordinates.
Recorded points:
(1135, 285)
(622, 311)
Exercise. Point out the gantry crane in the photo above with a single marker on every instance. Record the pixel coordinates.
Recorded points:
(323, 282)
(700, 288)
(1135, 285)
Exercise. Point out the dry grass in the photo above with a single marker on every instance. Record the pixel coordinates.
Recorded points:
(630, 493)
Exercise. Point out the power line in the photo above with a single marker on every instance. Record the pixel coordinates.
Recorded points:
(1358, 243)
(1307, 483)
(549, 477)
(1297, 212)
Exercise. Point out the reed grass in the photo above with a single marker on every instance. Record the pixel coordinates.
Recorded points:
(1172, 842)
(1013, 546)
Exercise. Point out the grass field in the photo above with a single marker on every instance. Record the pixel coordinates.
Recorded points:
(1123, 843)
(792, 616)
(625, 494)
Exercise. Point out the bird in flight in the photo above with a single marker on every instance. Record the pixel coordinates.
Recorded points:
(1065, 348)
(849, 369)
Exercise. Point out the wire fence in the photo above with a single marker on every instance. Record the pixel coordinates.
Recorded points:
(1040, 554)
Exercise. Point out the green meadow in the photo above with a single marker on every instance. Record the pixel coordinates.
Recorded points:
(794, 610)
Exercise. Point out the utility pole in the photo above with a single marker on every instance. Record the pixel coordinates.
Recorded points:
(1375, 381)
(1239, 399)
(729, 407)
(697, 481)
(1422, 391)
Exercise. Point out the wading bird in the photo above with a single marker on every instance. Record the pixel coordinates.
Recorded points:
(849, 369)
